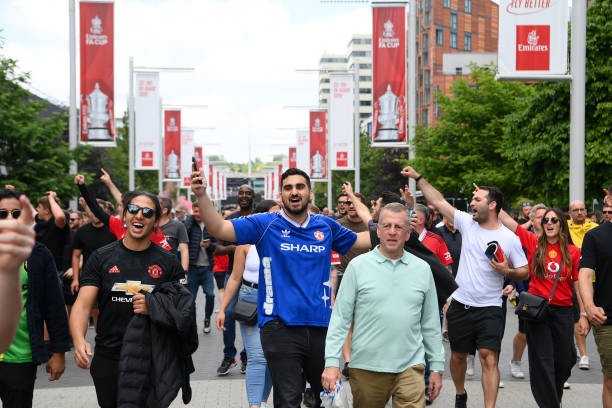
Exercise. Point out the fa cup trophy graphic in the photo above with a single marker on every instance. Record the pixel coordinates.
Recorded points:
(97, 102)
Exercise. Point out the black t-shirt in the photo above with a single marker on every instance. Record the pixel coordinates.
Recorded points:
(119, 272)
(597, 255)
(89, 238)
(54, 238)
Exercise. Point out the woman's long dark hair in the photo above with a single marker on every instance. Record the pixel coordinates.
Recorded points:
(565, 239)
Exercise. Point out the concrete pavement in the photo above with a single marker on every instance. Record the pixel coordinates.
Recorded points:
(75, 388)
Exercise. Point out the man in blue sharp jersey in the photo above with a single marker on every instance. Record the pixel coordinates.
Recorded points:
(294, 308)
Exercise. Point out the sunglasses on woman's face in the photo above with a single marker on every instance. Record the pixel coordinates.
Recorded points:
(553, 220)
(146, 211)
(4, 213)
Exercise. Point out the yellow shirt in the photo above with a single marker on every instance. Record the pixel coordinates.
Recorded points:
(578, 231)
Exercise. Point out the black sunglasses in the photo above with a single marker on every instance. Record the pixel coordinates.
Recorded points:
(15, 213)
(607, 212)
(146, 211)
(553, 220)
(345, 202)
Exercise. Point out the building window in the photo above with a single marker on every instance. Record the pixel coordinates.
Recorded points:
(459, 71)
(468, 6)
(365, 103)
(425, 118)
(427, 95)
(425, 58)
(467, 42)
(453, 40)
(439, 36)
(453, 21)
(447, 3)
(427, 18)
(364, 78)
(365, 90)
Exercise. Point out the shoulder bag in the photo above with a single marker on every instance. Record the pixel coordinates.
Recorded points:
(245, 312)
(535, 308)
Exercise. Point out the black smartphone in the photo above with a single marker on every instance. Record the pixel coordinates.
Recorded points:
(194, 167)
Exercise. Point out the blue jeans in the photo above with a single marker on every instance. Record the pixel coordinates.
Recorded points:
(229, 334)
(258, 380)
(202, 276)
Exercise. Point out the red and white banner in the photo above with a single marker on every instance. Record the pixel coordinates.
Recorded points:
(532, 39)
(318, 145)
(97, 73)
(187, 152)
(147, 121)
(389, 75)
(341, 122)
(172, 144)
(303, 150)
(292, 157)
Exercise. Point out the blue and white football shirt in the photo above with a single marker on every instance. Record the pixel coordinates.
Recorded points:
(295, 260)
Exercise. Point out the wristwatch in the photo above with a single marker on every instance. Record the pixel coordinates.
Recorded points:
(583, 314)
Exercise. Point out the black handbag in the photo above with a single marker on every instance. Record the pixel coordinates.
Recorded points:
(534, 307)
(245, 312)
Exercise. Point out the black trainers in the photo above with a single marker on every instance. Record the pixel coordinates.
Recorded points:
(243, 365)
(206, 326)
(345, 371)
(461, 400)
(225, 366)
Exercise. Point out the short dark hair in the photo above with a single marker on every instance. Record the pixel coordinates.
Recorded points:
(496, 195)
(264, 206)
(295, 172)
(342, 194)
(128, 196)
(360, 196)
(7, 193)
(389, 197)
(166, 203)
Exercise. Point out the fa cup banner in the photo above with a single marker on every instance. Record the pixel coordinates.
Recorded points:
(303, 150)
(389, 72)
(147, 121)
(97, 74)
(532, 38)
(292, 157)
(341, 121)
(187, 152)
(318, 146)
(172, 144)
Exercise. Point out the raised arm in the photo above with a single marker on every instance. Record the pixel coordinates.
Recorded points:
(432, 195)
(56, 210)
(108, 182)
(100, 214)
(362, 210)
(215, 224)
(508, 221)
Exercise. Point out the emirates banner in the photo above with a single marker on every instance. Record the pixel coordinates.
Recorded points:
(318, 146)
(97, 74)
(389, 75)
(532, 38)
(292, 157)
(302, 150)
(172, 144)
(187, 152)
(341, 121)
(147, 121)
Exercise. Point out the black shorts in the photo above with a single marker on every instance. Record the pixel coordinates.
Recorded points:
(219, 279)
(471, 328)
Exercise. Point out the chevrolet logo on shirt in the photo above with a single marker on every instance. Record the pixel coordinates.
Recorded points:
(131, 287)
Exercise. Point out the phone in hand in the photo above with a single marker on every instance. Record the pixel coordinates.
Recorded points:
(194, 167)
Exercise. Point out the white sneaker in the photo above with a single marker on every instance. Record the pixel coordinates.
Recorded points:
(566, 385)
(501, 384)
(470, 366)
(515, 369)
(584, 363)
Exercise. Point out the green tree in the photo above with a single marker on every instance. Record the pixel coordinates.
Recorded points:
(34, 152)
(538, 135)
(466, 145)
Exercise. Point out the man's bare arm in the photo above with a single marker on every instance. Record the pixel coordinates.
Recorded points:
(508, 221)
(215, 224)
(433, 196)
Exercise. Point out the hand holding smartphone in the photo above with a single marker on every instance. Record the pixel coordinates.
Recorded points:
(194, 167)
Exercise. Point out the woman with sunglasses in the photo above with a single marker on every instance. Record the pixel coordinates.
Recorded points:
(115, 276)
(551, 255)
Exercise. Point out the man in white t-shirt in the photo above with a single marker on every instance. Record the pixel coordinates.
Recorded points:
(474, 317)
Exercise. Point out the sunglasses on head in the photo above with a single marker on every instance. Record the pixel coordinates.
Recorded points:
(15, 213)
(146, 211)
(553, 220)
